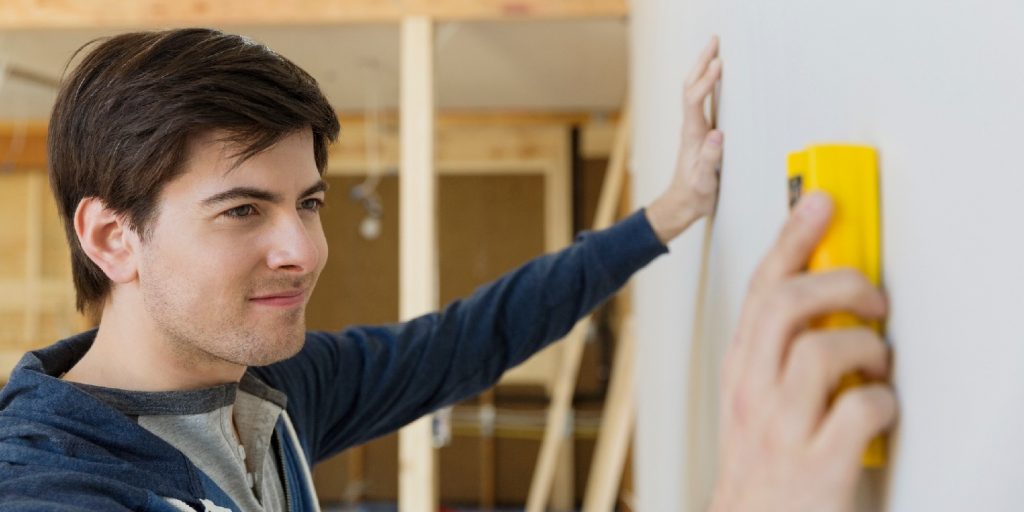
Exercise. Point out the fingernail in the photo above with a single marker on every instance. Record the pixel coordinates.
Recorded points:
(715, 137)
(814, 204)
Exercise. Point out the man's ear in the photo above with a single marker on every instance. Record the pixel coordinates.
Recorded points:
(107, 239)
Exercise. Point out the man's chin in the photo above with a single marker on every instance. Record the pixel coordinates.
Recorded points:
(284, 347)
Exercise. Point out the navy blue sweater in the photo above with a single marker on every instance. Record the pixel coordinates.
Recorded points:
(63, 449)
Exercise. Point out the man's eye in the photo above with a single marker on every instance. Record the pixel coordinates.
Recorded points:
(239, 212)
(312, 203)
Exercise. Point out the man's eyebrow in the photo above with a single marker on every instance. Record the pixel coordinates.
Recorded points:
(320, 186)
(242, 193)
(258, 194)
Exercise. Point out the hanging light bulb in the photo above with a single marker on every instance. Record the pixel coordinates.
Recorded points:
(369, 228)
(366, 192)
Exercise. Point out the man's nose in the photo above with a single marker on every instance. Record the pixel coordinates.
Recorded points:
(292, 247)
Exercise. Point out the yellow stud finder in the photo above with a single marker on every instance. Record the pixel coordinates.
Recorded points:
(849, 174)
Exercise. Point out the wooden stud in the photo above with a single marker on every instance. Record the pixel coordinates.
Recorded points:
(558, 196)
(563, 488)
(418, 261)
(617, 421)
(38, 14)
(558, 234)
(558, 418)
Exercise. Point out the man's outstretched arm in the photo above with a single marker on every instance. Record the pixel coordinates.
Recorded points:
(347, 388)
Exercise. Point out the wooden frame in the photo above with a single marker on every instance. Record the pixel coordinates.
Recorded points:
(39, 14)
(617, 420)
(465, 140)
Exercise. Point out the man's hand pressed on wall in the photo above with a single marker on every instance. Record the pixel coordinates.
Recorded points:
(694, 186)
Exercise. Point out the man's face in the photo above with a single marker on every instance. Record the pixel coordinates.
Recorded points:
(233, 254)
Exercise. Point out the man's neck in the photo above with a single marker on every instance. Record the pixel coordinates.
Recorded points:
(131, 353)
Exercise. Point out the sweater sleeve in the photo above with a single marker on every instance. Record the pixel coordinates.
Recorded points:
(349, 387)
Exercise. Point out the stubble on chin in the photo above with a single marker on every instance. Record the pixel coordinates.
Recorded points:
(213, 337)
(284, 346)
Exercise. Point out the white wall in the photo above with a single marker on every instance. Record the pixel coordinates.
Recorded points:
(938, 88)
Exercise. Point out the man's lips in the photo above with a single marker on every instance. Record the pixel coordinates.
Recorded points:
(281, 299)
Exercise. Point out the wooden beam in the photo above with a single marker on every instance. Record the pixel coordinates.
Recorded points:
(443, 119)
(38, 14)
(528, 148)
(522, 140)
(462, 117)
(558, 419)
(563, 488)
(616, 428)
(558, 201)
(418, 259)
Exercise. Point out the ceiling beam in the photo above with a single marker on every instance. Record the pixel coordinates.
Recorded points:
(43, 14)
(23, 143)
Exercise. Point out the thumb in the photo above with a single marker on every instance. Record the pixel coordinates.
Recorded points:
(708, 163)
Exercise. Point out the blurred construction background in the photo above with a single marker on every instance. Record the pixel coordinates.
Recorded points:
(528, 97)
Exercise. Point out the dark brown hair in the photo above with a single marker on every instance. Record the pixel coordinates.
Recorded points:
(124, 119)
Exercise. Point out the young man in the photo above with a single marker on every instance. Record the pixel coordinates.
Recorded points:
(187, 166)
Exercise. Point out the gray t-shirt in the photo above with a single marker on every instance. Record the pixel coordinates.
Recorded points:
(199, 424)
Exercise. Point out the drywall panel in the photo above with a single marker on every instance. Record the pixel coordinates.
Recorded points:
(664, 293)
(936, 88)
